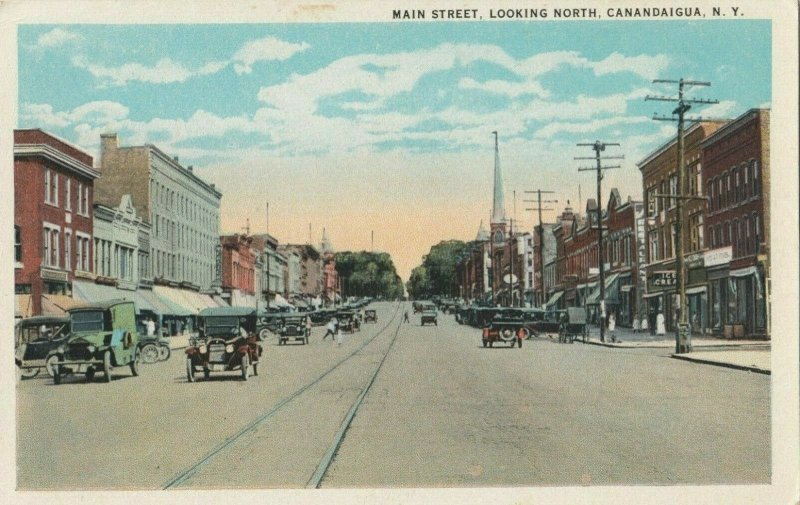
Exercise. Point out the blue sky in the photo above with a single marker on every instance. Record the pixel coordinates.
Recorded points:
(384, 125)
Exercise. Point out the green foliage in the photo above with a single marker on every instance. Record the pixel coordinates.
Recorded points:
(365, 273)
(437, 274)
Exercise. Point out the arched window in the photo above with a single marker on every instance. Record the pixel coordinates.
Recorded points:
(756, 186)
(710, 188)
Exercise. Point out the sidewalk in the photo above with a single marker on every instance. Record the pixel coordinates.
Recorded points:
(750, 355)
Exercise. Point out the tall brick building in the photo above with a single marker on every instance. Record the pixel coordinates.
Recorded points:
(53, 196)
(736, 175)
(182, 209)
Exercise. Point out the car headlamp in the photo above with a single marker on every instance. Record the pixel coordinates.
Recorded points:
(91, 349)
(60, 349)
(229, 348)
(202, 348)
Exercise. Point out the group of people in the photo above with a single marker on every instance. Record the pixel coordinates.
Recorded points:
(332, 329)
(642, 324)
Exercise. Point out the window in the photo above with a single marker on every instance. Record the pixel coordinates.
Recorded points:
(50, 187)
(82, 252)
(67, 196)
(710, 188)
(713, 238)
(745, 182)
(735, 238)
(85, 201)
(50, 252)
(673, 238)
(67, 250)
(17, 244)
(737, 189)
(673, 189)
(719, 193)
(755, 187)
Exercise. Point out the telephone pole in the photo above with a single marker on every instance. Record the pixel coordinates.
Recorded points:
(539, 208)
(683, 334)
(598, 147)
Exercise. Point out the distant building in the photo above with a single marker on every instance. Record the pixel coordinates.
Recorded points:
(121, 245)
(53, 222)
(331, 288)
(182, 209)
(274, 265)
(310, 269)
(239, 269)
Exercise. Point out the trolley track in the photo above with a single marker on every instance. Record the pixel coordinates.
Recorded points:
(186, 474)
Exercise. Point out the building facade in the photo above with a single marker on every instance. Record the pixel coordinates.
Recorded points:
(53, 221)
(118, 241)
(310, 269)
(736, 175)
(182, 209)
(660, 177)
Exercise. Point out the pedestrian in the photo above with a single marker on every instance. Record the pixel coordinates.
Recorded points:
(405, 318)
(612, 326)
(339, 336)
(644, 324)
(151, 327)
(308, 326)
(330, 328)
(660, 327)
(636, 322)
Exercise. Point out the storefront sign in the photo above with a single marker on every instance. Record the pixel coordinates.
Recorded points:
(664, 278)
(719, 256)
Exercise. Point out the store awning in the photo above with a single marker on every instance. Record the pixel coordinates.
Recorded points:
(240, 299)
(743, 272)
(652, 295)
(172, 299)
(281, 301)
(158, 305)
(554, 298)
(90, 292)
(219, 300)
(23, 306)
(611, 296)
(58, 304)
(695, 290)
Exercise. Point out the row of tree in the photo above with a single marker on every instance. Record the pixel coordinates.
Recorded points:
(437, 273)
(363, 273)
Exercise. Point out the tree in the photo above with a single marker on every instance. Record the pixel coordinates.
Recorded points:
(365, 273)
(437, 274)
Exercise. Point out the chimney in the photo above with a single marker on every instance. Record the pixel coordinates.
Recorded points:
(108, 142)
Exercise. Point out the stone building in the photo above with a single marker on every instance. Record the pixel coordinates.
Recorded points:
(182, 209)
(53, 223)
(737, 228)
(274, 265)
(119, 237)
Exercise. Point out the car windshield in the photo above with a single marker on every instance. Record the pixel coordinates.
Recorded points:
(222, 325)
(87, 321)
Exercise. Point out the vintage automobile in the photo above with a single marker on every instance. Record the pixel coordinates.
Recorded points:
(154, 348)
(220, 345)
(550, 323)
(507, 325)
(102, 337)
(293, 327)
(573, 325)
(429, 315)
(34, 338)
(370, 316)
(348, 322)
(321, 317)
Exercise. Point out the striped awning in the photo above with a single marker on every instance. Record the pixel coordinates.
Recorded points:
(172, 298)
(58, 304)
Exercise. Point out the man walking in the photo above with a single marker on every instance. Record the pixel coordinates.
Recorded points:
(330, 329)
(405, 317)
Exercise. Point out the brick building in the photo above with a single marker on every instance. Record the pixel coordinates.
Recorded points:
(239, 258)
(736, 175)
(182, 209)
(53, 223)
(660, 176)
(310, 271)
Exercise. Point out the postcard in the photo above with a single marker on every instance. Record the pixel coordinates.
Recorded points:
(482, 252)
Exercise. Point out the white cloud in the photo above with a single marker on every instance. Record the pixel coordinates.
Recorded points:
(551, 129)
(99, 112)
(54, 38)
(42, 115)
(645, 66)
(266, 49)
(164, 71)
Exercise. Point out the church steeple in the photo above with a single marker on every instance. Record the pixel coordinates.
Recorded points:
(498, 202)
(497, 226)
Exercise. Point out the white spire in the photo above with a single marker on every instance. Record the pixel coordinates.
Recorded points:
(483, 235)
(498, 203)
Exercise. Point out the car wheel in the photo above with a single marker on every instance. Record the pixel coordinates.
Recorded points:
(526, 333)
(107, 368)
(50, 364)
(29, 373)
(57, 375)
(150, 353)
(164, 352)
(189, 370)
(263, 334)
(137, 359)
(245, 367)
(89, 374)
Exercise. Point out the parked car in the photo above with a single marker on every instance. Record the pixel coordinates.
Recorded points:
(370, 316)
(549, 324)
(429, 315)
(293, 327)
(102, 337)
(220, 345)
(34, 338)
(154, 348)
(507, 325)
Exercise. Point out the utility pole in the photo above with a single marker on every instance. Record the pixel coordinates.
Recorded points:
(539, 208)
(683, 334)
(269, 272)
(598, 147)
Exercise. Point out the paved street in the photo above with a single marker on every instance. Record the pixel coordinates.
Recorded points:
(442, 411)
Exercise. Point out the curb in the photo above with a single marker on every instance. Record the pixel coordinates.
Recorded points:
(723, 364)
(625, 345)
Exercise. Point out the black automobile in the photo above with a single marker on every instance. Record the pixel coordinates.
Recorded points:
(34, 338)
(293, 328)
